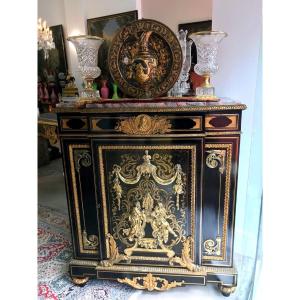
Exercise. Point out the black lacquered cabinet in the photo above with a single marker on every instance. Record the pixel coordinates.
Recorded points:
(152, 192)
(77, 157)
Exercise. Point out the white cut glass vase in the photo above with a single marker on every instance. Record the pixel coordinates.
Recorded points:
(87, 48)
(182, 86)
(207, 44)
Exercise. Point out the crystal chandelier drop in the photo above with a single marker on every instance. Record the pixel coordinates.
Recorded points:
(45, 39)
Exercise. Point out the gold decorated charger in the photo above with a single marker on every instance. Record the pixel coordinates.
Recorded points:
(145, 59)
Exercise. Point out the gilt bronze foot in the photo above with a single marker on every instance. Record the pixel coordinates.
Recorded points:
(81, 281)
(226, 290)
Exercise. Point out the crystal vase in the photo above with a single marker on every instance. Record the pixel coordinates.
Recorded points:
(207, 44)
(87, 48)
(182, 86)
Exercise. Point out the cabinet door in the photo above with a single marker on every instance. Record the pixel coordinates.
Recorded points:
(81, 197)
(219, 193)
(148, 194)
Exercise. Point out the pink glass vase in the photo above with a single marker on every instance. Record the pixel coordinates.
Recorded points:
(40, 92)
(104, 90)
(53, 97)
(46, 94)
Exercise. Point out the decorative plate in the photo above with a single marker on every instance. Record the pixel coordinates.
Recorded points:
(145, 59)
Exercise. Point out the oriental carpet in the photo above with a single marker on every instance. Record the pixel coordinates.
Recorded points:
(54, 253)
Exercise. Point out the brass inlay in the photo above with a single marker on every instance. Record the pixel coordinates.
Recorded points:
(114, 257)
(90, 242)
(81, 262)
(185, 259)
(190, 135)
(151, 283)
(87, 244)
(214, 133)
(149, 258)
(158, 215)
(148, 168)
(213, 247)
(82, 157)
(216, 158)
(233, 124)
(162, 270)
(216, 250)
(144, 124)
(197, 123)
(65, 126)
(196, 119)
(220, 270)
(157, 270)
(94, 124)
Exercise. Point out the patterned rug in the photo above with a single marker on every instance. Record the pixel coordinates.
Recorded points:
(54, 253)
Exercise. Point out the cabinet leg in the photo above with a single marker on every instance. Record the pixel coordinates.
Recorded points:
(80, 280)
(226, 290)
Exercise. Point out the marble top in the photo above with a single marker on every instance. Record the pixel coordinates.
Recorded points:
(47, 118)
(155, 105)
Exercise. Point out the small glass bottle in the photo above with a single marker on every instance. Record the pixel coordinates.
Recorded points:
(115, 95)
(104, 89)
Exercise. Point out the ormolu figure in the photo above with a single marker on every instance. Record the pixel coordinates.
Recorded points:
(160, 225)
(137, 221)
(148, 203)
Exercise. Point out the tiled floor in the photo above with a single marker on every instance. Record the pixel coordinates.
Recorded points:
(51, 192)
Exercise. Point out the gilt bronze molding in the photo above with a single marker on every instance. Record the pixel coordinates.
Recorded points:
(144, 124)
(79, 155)
(151, 283)
(115, 256)
(185, 259)
(219, 156)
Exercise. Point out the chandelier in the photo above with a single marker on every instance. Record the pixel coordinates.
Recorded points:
(45, 39)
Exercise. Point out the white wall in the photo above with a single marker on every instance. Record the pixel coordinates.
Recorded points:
(98, 8)
(239, 60)
(176, 12)
(53, 11)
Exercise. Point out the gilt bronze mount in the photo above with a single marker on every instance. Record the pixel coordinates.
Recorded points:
(151, 283)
